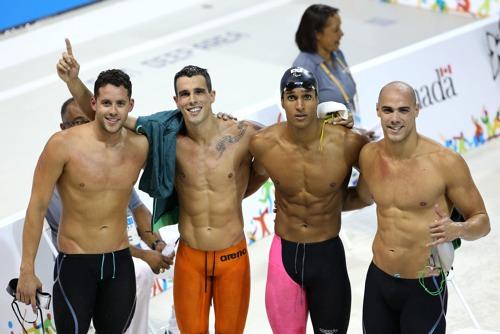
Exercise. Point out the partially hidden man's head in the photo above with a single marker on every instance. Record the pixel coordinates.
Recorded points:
(72, 115)
(193, 94)
(112, 99)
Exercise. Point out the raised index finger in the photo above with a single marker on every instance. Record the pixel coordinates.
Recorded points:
(69, 48)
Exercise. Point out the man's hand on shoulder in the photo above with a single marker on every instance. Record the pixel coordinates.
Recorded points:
(339, 120)
(226, 117)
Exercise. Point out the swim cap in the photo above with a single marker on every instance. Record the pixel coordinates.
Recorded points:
(332, 108)
(298, 77)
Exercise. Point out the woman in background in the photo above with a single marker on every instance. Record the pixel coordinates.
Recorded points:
(318, 38)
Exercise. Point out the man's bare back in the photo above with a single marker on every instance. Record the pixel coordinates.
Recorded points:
(95, 187)
(211, 180)
(310, 184)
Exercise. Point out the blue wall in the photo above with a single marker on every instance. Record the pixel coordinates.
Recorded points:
(17, 12)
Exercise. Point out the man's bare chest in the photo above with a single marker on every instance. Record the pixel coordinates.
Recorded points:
(202, 168)
(91, 171)
(316, 173)
(407, 186)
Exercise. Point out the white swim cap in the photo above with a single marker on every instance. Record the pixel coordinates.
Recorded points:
(329, 108)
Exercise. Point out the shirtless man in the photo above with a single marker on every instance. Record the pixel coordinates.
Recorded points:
(307, 269)
(146, 261)
(414, 182)
(94, 166)
(212, 175)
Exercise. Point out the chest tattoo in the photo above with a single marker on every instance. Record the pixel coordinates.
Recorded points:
(230, 139)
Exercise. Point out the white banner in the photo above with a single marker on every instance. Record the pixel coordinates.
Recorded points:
(457, 79)
(481, 8)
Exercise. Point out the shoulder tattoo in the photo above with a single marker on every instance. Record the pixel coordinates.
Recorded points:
(230, 139)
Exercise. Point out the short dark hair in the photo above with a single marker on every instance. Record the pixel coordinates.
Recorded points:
(114, 77)
(64, 107)
(190, 71)
(313, 21)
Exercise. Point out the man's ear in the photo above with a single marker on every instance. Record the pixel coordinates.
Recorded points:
(131, 105)
(175, 100)
(212, 96)
(93, 103)
(377, 108)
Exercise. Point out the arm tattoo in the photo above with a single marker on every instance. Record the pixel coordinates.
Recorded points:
(226, 140)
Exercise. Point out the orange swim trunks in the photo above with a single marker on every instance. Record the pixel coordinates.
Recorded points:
(199, 276)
